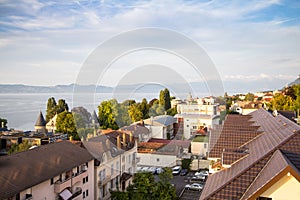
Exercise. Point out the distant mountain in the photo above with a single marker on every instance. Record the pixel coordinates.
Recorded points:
(295, 82)
(19, 88)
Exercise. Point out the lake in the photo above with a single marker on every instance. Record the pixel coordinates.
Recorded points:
(21, 110)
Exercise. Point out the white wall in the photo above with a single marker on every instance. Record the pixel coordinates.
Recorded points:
(157, 160)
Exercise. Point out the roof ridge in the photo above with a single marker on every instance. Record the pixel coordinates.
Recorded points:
(265, 166)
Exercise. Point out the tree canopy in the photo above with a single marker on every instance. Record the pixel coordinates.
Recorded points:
(145, 187)
(3, 122)
(165, 99)
(55, 108)
(65, 124)
(288, 101)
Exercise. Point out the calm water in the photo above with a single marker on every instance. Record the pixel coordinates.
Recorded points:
(21, 110)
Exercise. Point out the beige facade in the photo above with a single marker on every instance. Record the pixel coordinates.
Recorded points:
(77, 182)
(285, 188)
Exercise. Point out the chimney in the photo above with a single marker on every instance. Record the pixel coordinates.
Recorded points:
(107, 143)
(130, 137)
(118, 142)
(124, 139)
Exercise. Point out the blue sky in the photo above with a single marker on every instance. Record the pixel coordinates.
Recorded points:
(46, 42)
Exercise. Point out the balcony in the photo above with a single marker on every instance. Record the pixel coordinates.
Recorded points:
(104, 180)
(28, 197)
(76, 193)
(59, 186)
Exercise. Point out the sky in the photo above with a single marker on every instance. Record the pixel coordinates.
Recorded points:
(249, 42)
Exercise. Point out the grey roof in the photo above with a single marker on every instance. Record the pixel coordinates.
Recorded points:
(40, 120)
(95, 118)
(28, 168)
(164, 120)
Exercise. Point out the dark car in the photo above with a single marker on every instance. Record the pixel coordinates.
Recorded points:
(184, 172)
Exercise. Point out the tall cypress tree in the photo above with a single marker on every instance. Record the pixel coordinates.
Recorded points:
(51, 108)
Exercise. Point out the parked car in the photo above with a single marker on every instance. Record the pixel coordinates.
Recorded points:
(194, 186)
(159, 170)
(152, 170)
(176, 170)
(184, 172)
(198, 178)
(202, 173)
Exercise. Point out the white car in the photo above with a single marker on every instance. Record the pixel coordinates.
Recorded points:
(202, 173)
(194, 186)
(176, 170)
(152, 170)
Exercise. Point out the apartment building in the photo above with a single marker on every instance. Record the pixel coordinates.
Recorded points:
(115, 161)
(60, 170)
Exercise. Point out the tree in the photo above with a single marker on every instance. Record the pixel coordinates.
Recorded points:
(165, 190)
(145, 187)
(282, 102)
(51, 108)
(3, 123)
(164, 99)
(108, 114)
(65, 124)
(186, 163)
(249, 97)
(135, 112)
(144, 108)
(61, 106)
(19, 147)
(123, 118)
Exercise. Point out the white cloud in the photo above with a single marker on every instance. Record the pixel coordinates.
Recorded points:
(240, 47)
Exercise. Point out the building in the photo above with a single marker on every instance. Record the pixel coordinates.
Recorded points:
(40, 124)
(59, 170)
(195, 124)
(199, 146)
(115, 154)
(139, 131)
(260, 153)
(196, 116)
(161, 126)
(51, 125)
(161, 152)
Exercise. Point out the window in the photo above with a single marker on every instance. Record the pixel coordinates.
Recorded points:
(157, 159)
(111, 184)
(111, 169)
(118, 165)
(83, 180)
(187, 125)
(123, 159)
(205, 146)
(87, 164)
(87, 193)
(129, 158)
(51, 181)
(86, 179)
(83, 194)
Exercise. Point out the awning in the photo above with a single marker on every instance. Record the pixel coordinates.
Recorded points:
(66, 194)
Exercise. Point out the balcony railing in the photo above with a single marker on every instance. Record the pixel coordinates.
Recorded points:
(76, 193)
(59, 186)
